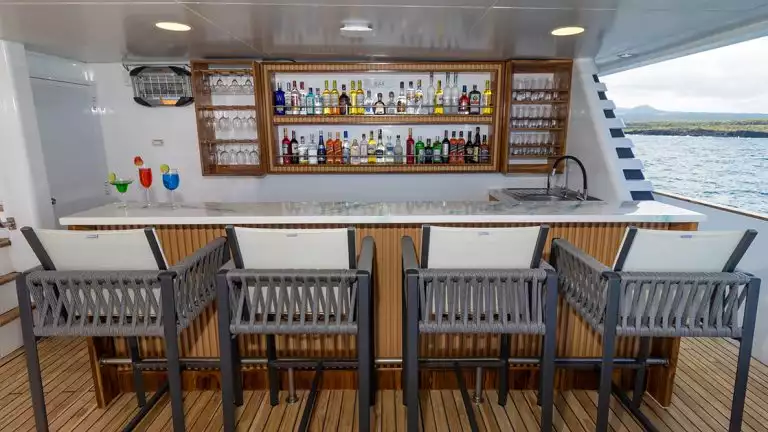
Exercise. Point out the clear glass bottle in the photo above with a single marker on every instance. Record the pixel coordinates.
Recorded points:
(309, 101)
(295, 100)
(391, 107)
(302, 99)
(360, 98)
(326, 100)
(363, 150)
(371, 149)
(401, 100)
(303, 152)
(439, 98)
(318, 102)
(368, 103)
(389, 154)
(410, 97)
(345, 148)
(451, 96)
(312, 150)
(379, 108)
(354, 152)
(334, 100)
(288, 97)
(456, 94)
(430, 109)
(418, 98)
(399, 151)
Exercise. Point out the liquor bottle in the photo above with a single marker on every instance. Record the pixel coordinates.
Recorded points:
(352, 98)
(460, 148)
(285, 148)
(487, 98)
(446, 151)
(464, 101)
(437, 149)
(294, 148)
(334, 100)
(344, 104)
(318, 102)
(419, 149)
(295, 99)
(451, 95)
(279, 100)
(389, 154)
(326, 100)
(363, 150)
(454, 148)
(368, 103)
(431, 94)
(439, 98)
(477, 146)
(303, 152)
(336, 150)
(345, 151)
(474, 101)
(391, 107)
(469, 149)
(418, 98)
(371, 148)
(398, 151)
(288, 98)
(354, 151)
(312, 150)
(379, 108)
(302, 99)
(456, 95)
(428, 153)
(380, 150)
(360, 97)
(409, 150)
(485, 151)
(309, 101)
(410, 102)
(401, 100)
(321, 151)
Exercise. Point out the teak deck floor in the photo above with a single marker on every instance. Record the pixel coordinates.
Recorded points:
(701, 401)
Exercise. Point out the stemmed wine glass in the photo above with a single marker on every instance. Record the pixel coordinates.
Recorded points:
(237, 122)
(219, 87)
(248, 86)
(252, 120)
(224, 122)
(224, 157)
(233, 155)
(171, 182)
(121, 184)
(234, 88)
(241, 157)
(145, 178)
(253, 157)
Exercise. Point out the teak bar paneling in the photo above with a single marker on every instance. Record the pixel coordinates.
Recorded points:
(575, 337)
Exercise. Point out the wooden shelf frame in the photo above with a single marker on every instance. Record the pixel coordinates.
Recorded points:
(270, 138)
(563, 69)
(207, 141)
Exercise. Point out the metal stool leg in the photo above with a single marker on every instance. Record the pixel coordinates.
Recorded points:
(33, 361)
(547, 379)
(609, 344)
(237, 368)
(412, 360)
(172, 351)
(274, 377)
(364, 359)
(228, 367)
(745, 355)
(138, 381)
(504, 371)
(642, 373)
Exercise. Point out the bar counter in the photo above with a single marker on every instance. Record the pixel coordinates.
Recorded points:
(596, 227)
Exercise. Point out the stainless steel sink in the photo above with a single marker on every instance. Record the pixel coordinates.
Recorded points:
(545, 198)
(540, 195)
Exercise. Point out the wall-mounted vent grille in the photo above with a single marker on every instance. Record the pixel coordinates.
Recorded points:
(161, 86)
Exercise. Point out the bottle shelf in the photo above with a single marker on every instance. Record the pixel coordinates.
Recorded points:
(404, 119)
(226, 107)
(230, 141)
(381, 168)
(545, 102)
(535, 129)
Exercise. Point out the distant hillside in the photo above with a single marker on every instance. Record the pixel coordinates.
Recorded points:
(646, 113)
(735, 128)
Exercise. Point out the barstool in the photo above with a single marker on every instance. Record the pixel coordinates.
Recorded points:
(663, 284)
(473, 281)
(290, 282)
(113, 284)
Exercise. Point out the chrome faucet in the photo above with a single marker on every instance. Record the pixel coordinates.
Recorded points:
(584, 194)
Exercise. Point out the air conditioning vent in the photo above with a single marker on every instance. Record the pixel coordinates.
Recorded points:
(155, 86)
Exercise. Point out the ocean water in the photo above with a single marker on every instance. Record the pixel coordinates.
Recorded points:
(729, 171)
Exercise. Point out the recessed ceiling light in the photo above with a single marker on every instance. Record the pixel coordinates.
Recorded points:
(625, 55)
(173, 26)
(567, 31)
(356, 27)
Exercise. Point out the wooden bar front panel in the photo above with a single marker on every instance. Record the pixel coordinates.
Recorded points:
(575, 337)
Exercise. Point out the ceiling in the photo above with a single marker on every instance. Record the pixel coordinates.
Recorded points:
(113, 31)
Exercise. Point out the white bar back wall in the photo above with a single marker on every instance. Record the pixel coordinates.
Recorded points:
(129, 129)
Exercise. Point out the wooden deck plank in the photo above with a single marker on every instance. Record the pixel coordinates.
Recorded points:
(318, 414)
(349, 410)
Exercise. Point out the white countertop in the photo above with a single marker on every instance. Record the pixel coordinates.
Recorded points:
(382, 213)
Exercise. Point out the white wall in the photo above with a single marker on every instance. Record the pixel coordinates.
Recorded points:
(128, 130)
(754, 261)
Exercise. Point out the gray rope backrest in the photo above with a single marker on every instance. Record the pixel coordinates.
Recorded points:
(195, 282)
(293, 301)
(650, 303)
(483, 300)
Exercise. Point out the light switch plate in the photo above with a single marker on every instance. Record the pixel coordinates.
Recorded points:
(157, 142)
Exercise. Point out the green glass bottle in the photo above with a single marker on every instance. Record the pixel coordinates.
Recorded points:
(419, 150)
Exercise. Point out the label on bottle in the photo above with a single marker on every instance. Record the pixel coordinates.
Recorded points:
(487, 101)
(484, 154)
(310, 102)
(321, 156)
(345, 155)
(313, 156)
(474, 103)
(327, 100)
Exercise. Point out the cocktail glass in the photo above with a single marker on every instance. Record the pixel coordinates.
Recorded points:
(122, 186)
(145, 178)
(171, 182)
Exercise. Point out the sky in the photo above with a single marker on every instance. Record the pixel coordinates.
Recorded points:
(728, 79)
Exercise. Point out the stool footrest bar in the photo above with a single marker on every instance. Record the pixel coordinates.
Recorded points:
(146, 408)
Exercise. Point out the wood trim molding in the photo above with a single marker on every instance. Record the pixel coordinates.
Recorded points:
(10, 277)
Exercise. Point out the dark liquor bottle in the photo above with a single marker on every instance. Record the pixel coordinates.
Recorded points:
(409, 148)
(379, 108)
(279, 100)
(286, 148)
(460, 148)
(419, 149)
(322, 157)
(294, 148)
(445, 154)
(475, 97)
(468, 149)
(437, 149)
(344, 103)
(464, 101)
(428, 152)
(485, 151)
(454, 148)
(476, 145)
